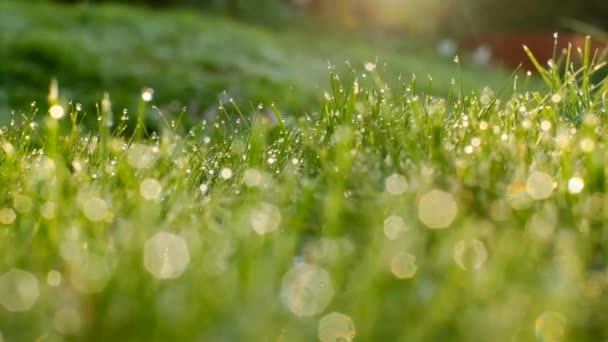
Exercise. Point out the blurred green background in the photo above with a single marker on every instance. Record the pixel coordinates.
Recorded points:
(196, 54)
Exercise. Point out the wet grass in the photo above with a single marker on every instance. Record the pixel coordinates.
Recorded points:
(419, 218)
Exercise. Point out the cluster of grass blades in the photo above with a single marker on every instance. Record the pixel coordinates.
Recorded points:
(571, 78)
(389, 215)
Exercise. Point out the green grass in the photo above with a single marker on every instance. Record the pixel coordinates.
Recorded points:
(421, 218)
(190, 59)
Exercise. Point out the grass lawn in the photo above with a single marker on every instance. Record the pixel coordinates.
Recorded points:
(190, 59)
(385, 214)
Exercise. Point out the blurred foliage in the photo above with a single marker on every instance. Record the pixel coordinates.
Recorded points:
(474, 16)
(189, 58)
(426, 17)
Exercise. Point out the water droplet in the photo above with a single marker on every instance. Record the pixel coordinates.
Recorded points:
(545, 125)
(147, 94)
(336, 327)
(556, 98)
(7, 215)
(226, 173)
(395, 184)
(19, 290)
(95, 209)
(166, 255)
(394, 227)
(252, 178)
(369, 66)
(150, 189)
(265, 218)
(486, 96)
(470, 254)
(403, 265)
(301, 290)
(539, 185)
(437, 209)
(57, 112)
(576, 185)
(141, 156)
(53, 278)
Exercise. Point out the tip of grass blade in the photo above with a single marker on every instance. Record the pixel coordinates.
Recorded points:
(277, 114)
(542, 71)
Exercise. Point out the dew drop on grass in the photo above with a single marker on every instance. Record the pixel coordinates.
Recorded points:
(147, 94)
(403, 265)
(369, 66)
(252, 178)
(395, 184)
(141, 156)
(306, 289)
(556, 98)
(336, 327)
(539, 185)
(265, 218)
(7, 215)
(486, 96)
(394, 227)
(57, 112)
(470, 254)
(550, 326)
(475, 142)
(150, 189)
(576, 185)
(226, 173)
(19, 290)
(545, 125)
(437, 209)
(166, 255)
(95, 209)
(53, 278)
